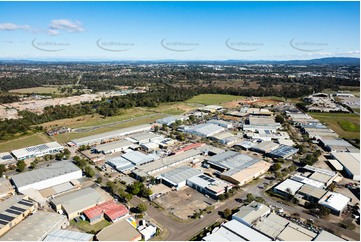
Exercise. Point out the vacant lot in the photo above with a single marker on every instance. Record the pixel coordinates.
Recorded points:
(210, 99)
(44, 89)
(346, 125)
(184, 203)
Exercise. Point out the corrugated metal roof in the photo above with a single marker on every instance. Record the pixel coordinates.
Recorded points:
(68, 235)
(54, 170)
(180, 174)
(294, 186)
(312, 191)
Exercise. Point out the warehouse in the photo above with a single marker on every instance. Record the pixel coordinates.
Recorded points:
(36, 227)
(272, 225)
(236, 231)
(256, 123)
(221, 123)
(68, 235)
(229, 160)
(138, 158)
(336, 202)
(119, 231)
(177, 177)
(350, 163)
(250, 213)
(74, 203)
(321, 175)
(112, 147)
(144, 137)
(283, 151)
(287, 187)
(169, 161)
(52, 175)
(294, 232)
(37, 151)
(306, 180)
(6, 189)
(209, 185)
(110, 210)
(13, 211)
(110, 136)
(120, 164)
(265, 147)
(171, 119)
(7, 159)
(327, 236)
(267, 135)
(211, 108)
(334, 144)
(311, 193)
(204, 130)
(246, 172)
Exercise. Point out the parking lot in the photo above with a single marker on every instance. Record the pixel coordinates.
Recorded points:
(185, 202)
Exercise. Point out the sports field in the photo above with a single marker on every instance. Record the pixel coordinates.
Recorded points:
(211, 99)
(345, 125)
(43, 89)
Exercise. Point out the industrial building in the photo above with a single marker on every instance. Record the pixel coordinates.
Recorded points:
(36, 227)
(138, 158)
(144, 137)
(236, 231)
(311, 193)
(229, 160)
(171, 119)
(169, 161)
(288, 187)
(336, 202)
(37, 151)
(250, 213)
(321, 175)
(256, 123)
(221, 123)
(350, 163)
(283, 151)
(13, 211)
(333, 144)
(265, 147)
(177, 177)
(74, 203)
(120, 164)
(112, 147)
(211, 108)
(52, 175)
(109, 210)
(225, 138)
(246, 172)
(7, 159)
(6, 189)
(209, 185)
(110, 136)
(294, 232)
(119, 231)
(327, 236)
(68, 235)
(204, 130)
(306, 180)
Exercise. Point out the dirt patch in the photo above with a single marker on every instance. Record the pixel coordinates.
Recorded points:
(183, 203)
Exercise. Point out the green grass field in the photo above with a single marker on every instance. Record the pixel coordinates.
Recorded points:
(210, 99)
(345, 125)
(87, 227)
(30, 140)
(44, 89)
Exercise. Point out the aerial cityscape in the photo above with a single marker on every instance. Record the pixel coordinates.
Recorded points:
(180, 121)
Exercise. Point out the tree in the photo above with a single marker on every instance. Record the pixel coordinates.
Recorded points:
(142, 207)
(99, 179)
(250, 197)
(2, 169)
(89, 172)
(21, 165)
(226, 213)
(276, 167)
(32, 165)
(111, 187)
(280, 119)
(59, 156)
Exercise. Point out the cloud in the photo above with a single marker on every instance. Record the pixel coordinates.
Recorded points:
(53, 32)
(65, 25)
(13, 27)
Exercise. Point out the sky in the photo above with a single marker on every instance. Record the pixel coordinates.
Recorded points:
(179, 30)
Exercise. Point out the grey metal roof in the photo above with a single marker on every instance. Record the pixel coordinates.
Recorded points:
(180, 174)
(12, 208)
(230, 160)
(35, 227)
(143, 136)
(137, 157)
(205, 129)
(113, 145)
(312, 191)
(56, 169)
(68, 235)
(283, 151)
(79, 200)
(37, 149)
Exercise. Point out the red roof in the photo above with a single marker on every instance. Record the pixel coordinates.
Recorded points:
(112, 209)
(189, 147)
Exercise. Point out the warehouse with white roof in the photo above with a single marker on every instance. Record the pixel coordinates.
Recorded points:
(178, 177)
(287, 187)
(350, 163)
(52, 175)
(37, 151)
(110, 136)
(112, 147)
(336, 202)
